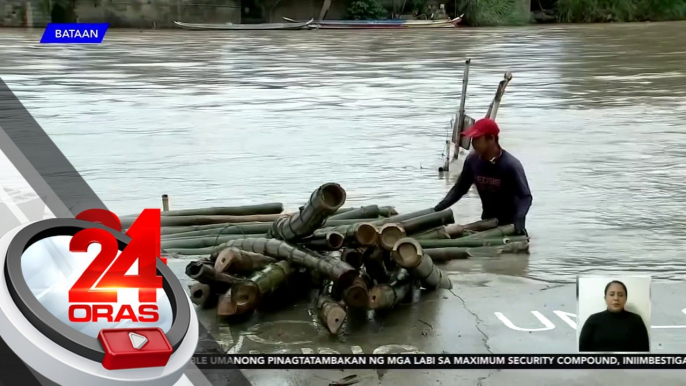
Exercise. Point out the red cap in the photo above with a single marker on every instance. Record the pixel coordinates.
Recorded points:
(482, 127)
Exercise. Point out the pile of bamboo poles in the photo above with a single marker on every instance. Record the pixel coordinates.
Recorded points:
(369, 257)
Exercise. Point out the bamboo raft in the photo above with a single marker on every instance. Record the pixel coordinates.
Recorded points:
(368, 258)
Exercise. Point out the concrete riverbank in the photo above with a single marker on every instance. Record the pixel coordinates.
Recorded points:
(483, 313)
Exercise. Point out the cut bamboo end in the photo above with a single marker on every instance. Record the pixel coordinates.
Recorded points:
(335, 240)
(201, 294)
(198, 271)
(353, 257)
(245, 294)
(455, 230)
(365, 234)
(376, 296)
(347, 278)
(224, 258)
(333, 196)
(357, 295)
(333, 315)
(226, 306)
(407, 253)
(389, 235)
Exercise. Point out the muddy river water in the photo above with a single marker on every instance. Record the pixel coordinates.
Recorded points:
(595, 113)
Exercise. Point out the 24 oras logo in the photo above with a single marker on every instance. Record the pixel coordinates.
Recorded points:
(95, 296)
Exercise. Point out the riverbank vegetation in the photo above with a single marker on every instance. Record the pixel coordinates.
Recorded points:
(520, 12)
(594, 11)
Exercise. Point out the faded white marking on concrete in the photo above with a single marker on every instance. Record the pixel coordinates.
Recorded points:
(357, 350)
(327, 351)
(547, 324)
(403, 348)
(252, 332)
(307, 351)
(237, 347)
(567, 318)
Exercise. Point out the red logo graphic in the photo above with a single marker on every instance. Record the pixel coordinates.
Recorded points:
(134, 348)
(96, 291)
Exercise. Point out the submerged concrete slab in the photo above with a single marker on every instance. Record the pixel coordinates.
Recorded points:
(483, 313)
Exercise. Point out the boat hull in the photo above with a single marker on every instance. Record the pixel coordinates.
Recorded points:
(381, 24)
(244, 27)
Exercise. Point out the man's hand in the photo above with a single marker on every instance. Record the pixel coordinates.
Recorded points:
(521, 232)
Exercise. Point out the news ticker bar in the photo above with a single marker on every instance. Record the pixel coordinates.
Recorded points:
(438, 361)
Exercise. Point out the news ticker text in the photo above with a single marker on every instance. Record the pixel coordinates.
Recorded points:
(437, 361)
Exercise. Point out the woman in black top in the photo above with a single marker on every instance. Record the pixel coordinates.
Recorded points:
(615, 329)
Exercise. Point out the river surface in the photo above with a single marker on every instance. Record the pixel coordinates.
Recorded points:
(595, 113)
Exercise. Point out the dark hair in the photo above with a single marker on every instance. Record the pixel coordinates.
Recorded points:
(626, 293)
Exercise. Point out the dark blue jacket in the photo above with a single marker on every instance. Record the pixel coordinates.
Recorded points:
(502, 186)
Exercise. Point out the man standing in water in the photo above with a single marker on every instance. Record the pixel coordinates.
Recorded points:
(499, 178)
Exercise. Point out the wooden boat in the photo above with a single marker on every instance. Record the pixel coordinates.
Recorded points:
(381, 24)
(248, 27)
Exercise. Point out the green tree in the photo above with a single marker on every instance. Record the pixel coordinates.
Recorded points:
(366, 10)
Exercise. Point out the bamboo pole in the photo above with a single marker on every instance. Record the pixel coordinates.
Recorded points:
(250, 292)
(363, 234)
(331, 313)
(205, 274)
(323, 202)
(389, 234)
(352, 256)
(203, 242)
(374, 264)
(357, 294)
(238, 261)
(408, 254)
(403, 217)
(388, 295)
(338, 271)
(457, 230)
(501, 231)
(470, 242)
(331, 241)
(202, 295)
(427, 222)
(434, 234)
(227, 306)
(168, 221)
(365, 212)
(243, 210)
